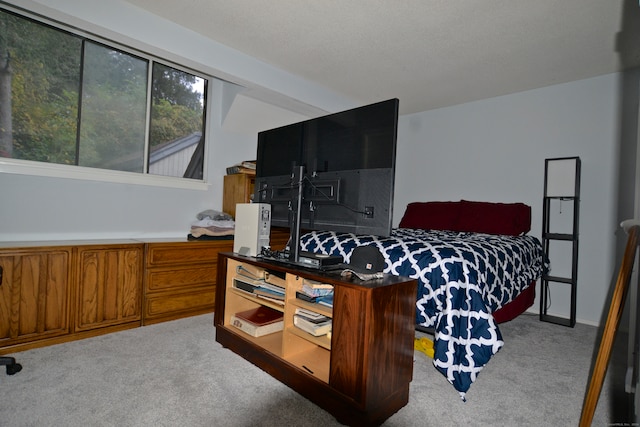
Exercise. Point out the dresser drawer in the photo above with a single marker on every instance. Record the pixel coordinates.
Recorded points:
(186, 253)
(164, 279)
(180, 278)
(163, 307)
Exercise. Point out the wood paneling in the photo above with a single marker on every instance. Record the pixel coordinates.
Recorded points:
(109, 286)
(34, 294)
(180, 279)
(238, 188)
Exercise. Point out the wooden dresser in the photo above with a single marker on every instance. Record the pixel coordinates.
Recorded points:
(53, 292)
(180, 278)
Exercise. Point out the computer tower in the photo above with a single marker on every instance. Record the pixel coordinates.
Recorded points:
(253, 226)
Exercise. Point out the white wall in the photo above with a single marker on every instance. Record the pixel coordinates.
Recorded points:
(50, 208)
(494, 150)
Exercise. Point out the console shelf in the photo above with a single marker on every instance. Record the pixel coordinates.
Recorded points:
(361, 373)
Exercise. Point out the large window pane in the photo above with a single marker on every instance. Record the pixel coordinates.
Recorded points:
(39, 83)
(68, 99)
(177, 118)
(113, 115)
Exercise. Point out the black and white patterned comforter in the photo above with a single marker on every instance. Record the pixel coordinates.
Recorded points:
(463, 278)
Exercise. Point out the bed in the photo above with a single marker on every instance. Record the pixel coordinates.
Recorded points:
(476, 268)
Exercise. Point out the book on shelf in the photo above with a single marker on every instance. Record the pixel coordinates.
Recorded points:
(311, 316)
(304, 297)
(251, 164)
(260, 291)
(268, 286)
(250, 272)
(258, 321)
(234, 170)
(258, 287)
(315, 329)
(316, 291)
(326, 300)
(322, 294)
(270, 299)
(247, 167)
(313, 284)
(245, 285)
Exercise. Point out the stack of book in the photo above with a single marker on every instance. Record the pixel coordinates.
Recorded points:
(316, 292)
(247, 167)
(258, 321)
(270, 288)
(311, 322)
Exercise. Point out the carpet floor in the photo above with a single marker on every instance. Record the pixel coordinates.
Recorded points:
(176, 374)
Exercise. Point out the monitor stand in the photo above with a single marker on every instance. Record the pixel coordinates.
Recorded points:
(296, 257)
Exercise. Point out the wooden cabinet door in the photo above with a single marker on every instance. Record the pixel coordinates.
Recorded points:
(109, 288)
(34, 295)
(238, 188)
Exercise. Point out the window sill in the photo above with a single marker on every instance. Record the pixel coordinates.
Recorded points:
(23, 167)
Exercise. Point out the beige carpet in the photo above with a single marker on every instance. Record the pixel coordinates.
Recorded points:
(176, 374)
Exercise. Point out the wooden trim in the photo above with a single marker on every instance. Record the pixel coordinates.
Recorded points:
(74, 336)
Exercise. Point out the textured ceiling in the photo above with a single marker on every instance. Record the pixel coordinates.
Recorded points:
(427, 53)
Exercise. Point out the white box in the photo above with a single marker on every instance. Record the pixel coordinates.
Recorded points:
(253, 227)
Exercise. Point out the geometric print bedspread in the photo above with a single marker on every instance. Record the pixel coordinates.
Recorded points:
(463, 278)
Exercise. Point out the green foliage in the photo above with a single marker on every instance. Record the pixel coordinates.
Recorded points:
(113, 120)
(46, 132)
(170, 122)
(176, 87)
(46, 86)
(176, 106)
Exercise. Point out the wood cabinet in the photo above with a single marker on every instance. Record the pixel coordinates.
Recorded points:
(278, 238)
(360, 374)
(34, 294)
(180, 278)
(238, 188)
(53, 292)
(109, 290)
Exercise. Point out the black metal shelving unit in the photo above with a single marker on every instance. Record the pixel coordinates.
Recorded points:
(562, 185)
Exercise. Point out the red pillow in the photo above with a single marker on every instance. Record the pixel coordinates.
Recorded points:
(511, 219)
(431, 215)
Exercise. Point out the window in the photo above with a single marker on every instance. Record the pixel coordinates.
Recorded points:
(66, 99)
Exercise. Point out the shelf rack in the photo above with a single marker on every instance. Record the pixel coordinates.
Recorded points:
(561, 185)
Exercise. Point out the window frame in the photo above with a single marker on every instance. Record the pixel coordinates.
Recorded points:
(56, 170)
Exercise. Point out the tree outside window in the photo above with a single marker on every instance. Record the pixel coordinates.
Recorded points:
(69, 100)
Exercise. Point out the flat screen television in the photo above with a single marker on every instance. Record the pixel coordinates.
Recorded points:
(334, 172)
